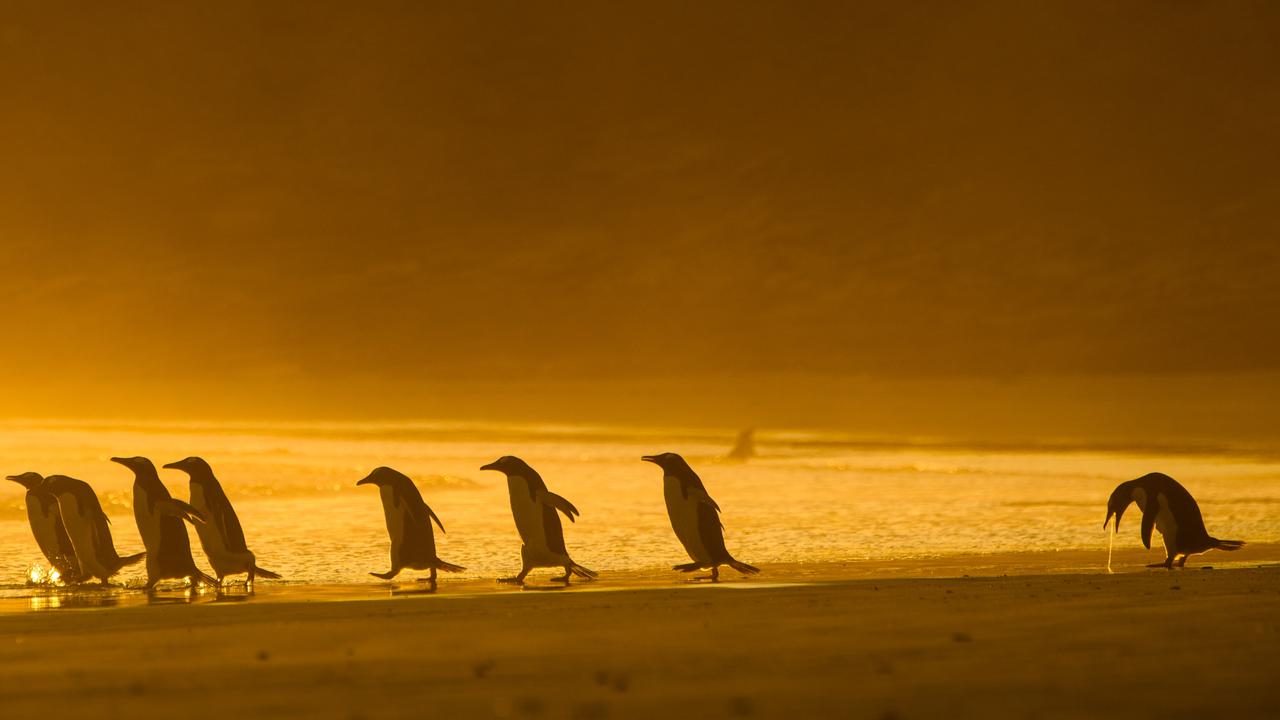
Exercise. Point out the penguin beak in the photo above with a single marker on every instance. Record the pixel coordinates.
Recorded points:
(1109, 514)
(122, 461)
(176, 465)
(650, 458)
(367, 481)
(491, 466)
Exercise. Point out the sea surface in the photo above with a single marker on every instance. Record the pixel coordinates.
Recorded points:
(806, 497)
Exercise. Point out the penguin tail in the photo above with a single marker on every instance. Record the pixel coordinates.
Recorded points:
(688, 567)
(128, 560)
(1228, 545)
(743, 568)
(582, 572)
(259, 572)
(386, 575)
(448, 567)
(199, 577)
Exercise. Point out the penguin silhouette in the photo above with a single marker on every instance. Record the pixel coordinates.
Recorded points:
(47, 526)
(89, 529)
(161, 522)
(534, 509)
(695, 517)
(413, 543)
(1168, 507)
(221, 537)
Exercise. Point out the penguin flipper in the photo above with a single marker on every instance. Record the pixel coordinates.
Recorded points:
(1149, 514)
(701, 496)
(179, 509)
(435, 517)
(553, 500)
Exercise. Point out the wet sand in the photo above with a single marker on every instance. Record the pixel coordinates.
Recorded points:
(1139, 643)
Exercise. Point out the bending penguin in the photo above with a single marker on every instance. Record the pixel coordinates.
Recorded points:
(89, 529)
(535, 511)
(1169, 508)
(695, 517)
(161, 519)
(413, 543)
(48, 528)
(221, 537)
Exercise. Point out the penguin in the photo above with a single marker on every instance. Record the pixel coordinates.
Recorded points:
(1168, 507)
(160, 518)
(534, 509)
(695, 517)
(89, 529)
(48, 528)
(744, 448)
(221, 537)
(413, 543)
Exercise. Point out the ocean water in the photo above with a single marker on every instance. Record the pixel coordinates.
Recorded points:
(807, 498)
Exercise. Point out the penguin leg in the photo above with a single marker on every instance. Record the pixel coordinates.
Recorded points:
(430, 579)
(564, 578)
(1182, 562)
(518, 579)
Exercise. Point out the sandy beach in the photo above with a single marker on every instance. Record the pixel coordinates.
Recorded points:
(1193, 643)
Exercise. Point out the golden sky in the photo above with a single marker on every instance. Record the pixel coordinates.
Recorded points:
(259, 202)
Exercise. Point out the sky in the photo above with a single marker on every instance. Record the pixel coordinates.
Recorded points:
(567, 211)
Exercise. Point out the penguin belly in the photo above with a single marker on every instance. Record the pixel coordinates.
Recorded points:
(531, 524)
(84, 538)
(149, 530)
(1167, 524)
(45, 520)
(684, 519)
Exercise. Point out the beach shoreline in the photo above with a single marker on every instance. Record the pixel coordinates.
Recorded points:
(1130, 644)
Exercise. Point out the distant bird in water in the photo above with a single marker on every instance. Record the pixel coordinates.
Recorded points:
(89, 529)
(413, 542)
(1168, 507)
(221, 537)
(160, 519)
(47, 526)
(745, 447)
(534, 509)
(695, 517)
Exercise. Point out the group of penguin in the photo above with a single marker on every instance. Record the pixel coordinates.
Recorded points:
(74, 533)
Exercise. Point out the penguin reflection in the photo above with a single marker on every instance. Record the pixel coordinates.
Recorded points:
(1168, 507)
(695, 517)
(535, 511)
(413, 542)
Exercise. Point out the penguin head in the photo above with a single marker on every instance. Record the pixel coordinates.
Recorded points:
(193, 466)
(1118, 503)
(385, 476)
(508, 464)
(28, 480)
(137, 464)
(61, 484)
(669, 462)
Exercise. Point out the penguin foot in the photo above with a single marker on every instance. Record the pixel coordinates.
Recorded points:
(561, 579)
(1166, 566)
(517, 580)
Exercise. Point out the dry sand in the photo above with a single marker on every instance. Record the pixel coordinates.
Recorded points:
(1191, 643)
